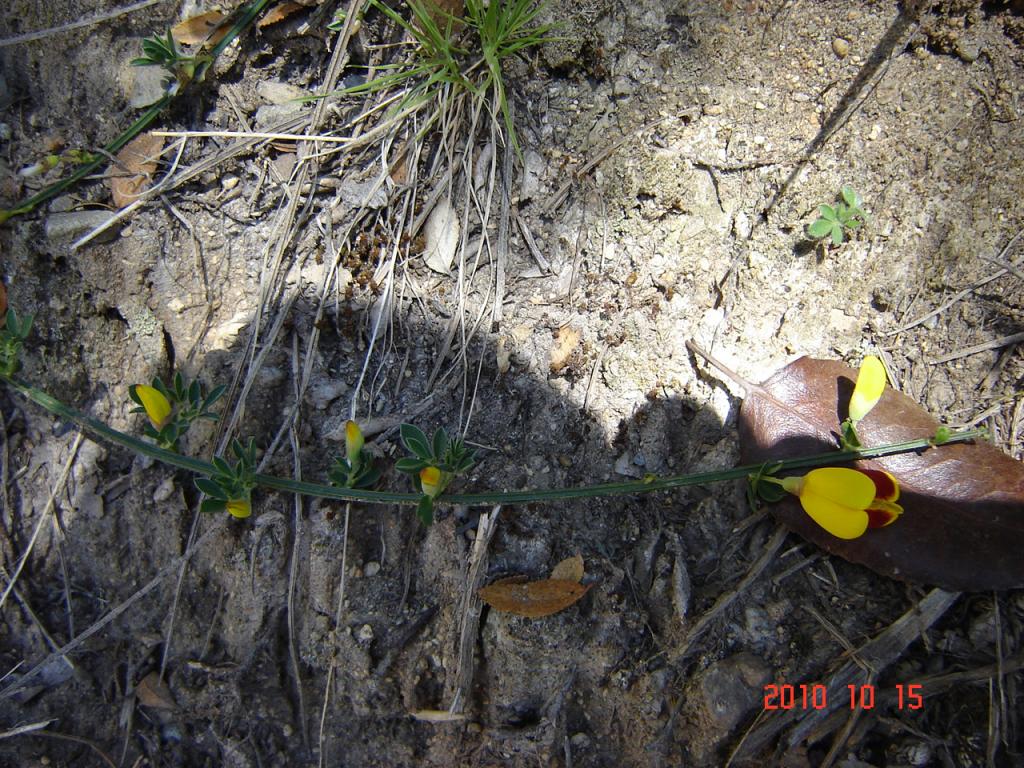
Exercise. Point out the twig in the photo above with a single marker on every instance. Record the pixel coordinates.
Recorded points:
(961, 294)
(98, 18)
(727, 599)
(1013, 338)
(44, 517)
(469, 609)
(293, 568)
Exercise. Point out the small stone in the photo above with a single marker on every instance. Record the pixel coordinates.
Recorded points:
(372, 568)
(164, 491)
(365, 633)
(580, 741)
(713, 109)
(229, 182)
(279, 93)
(968, 52)
(841, 47)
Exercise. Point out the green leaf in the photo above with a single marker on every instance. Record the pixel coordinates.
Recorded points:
(827, 212)
(213, 505)
(851, 197)
(410, 466)
(415, 441)
(425, 510)
(210, 488)
(771, 492)
(440, 442)
(135, 399)
(837, 234)
(215, 394)
(819, 229)
(223, 467)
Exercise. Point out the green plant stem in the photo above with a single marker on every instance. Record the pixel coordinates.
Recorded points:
(245, 18)
(99, 429)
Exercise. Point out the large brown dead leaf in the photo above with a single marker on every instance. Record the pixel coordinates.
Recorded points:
(130, 175)
(963, 521)
(532, 599)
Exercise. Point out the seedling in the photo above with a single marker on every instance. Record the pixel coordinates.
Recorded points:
(13, 332)
(840, 221)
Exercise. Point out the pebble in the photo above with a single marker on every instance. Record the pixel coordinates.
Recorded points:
(841, 47)
(164, 491)
(372, 568)
(968, 52)
(713, 109)
(365, 633)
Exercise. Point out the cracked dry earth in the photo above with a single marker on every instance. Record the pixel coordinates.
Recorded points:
(673, 154)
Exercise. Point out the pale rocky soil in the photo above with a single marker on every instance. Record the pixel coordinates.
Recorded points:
(719, 128)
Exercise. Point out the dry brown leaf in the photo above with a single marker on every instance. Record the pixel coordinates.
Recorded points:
(130, 175)
(204, 28)
(532, 599)
(570, 569)
(279, 13)
(963, 522)
(567, 339)
(153, 692)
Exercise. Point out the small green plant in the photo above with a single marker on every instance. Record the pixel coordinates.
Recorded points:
(838, 222)
(13, 333)
(435, 461)
(163, 52)
(171, 410)
(230, 486)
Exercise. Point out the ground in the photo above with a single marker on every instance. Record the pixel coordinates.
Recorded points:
(671, 155)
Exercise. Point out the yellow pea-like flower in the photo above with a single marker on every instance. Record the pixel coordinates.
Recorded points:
(239, 508)
(431, 480)
(156, 405)
(845, 501)
(354, 441)
(871, 382)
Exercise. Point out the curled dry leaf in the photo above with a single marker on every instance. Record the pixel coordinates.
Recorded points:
(153, 692)
(279, 13)
(567, 339)
(570, 569)
(206, 28)
(963, 521)
(129, 177)
(532, 599)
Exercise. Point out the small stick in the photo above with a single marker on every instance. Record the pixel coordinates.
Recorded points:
(1013, 338)
(748, 386)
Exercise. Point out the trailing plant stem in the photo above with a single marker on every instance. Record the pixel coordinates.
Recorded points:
(99, 429)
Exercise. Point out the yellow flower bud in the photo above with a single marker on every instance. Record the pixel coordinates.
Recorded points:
(431, 480)
(870, 385)
(156, 405)
(354, 441)
(240, 508)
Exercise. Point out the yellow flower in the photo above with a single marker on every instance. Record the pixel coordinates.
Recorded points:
(870, 385)
(846, 502)
(353, 442)
(431, 481)
(156, 405)
(240, 508)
